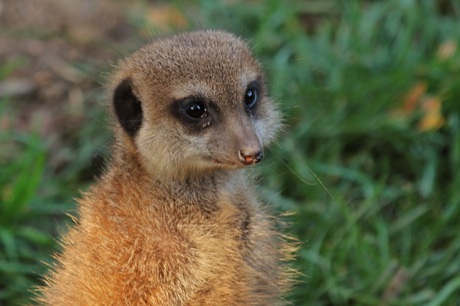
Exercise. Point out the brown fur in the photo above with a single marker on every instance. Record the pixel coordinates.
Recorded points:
(174, 220)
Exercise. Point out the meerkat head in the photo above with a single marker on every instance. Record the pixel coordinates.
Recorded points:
(193, 103)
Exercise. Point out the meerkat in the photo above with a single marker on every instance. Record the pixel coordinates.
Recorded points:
(175, 220)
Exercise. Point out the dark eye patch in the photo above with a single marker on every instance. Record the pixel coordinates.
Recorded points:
(252, 96)
(194, 112)
(195, 109)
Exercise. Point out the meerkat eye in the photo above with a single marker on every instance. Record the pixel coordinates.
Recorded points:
(196, 110)
(250, 97)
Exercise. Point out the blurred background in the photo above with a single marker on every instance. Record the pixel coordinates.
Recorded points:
(368, 163)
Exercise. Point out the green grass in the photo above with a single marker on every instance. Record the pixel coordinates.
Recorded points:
(23, 240)
(35, 197)
(376, 198)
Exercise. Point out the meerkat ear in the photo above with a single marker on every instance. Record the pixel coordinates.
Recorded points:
(127, 107)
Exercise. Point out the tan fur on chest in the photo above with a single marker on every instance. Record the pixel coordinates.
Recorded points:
(145, 255)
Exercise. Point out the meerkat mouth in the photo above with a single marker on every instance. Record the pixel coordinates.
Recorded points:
(225, 163)
(229, 164)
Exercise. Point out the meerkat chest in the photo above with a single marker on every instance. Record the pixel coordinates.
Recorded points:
(216, 247)
(219, 248)
(224, 230)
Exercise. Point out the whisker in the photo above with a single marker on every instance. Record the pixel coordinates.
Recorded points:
(298, 176)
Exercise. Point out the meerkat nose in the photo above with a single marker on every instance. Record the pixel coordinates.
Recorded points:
(247, 157)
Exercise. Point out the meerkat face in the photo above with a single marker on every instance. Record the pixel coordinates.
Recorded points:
(193, 103)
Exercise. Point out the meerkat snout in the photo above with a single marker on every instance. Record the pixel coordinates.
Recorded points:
(248, 142)
(249, 157)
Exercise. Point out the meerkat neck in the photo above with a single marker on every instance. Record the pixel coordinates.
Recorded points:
(193, 188)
